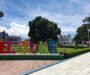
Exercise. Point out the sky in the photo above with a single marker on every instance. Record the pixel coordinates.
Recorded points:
(68, 14)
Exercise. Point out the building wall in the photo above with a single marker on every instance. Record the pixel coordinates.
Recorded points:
(65, 40)
(13, 39)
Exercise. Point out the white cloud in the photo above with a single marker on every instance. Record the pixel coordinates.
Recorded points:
(66, 23)
(87, 9)
(75, 1)
(2, 28)
(16, 29)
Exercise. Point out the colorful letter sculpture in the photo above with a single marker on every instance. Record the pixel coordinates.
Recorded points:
(9, 47)
(52, 45)
(34, 47)
(43, 47)
(31, 47)
(2, 47)
(6, 47)
(24, 46)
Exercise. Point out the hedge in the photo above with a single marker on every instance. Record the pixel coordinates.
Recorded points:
(68, 55)
(71, 46)
(31, 57)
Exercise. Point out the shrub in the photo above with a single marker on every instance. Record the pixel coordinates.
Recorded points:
(75, 53)
(70, 46)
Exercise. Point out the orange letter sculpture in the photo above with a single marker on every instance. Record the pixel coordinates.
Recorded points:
(24, 46)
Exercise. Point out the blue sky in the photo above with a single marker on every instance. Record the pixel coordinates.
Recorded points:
(68, 14)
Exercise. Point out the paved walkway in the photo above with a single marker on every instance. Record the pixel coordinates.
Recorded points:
(16, 67)
(79, 65)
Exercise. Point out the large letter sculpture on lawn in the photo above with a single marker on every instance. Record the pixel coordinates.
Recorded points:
(9, 47)
(52, 45)
(24, 46)
(43, 47)
(6, 47)
(2, 47)
(34, 47)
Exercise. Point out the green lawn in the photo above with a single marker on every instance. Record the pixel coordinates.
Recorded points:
(69, 50)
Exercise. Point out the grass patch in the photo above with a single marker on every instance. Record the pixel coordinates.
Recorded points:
(71, 52)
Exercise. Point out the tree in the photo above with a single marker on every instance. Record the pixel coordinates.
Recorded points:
(41, 29)
(82, 32)
(1, 14)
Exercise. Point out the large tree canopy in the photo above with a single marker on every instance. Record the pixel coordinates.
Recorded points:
(41, 29)
(82, 32)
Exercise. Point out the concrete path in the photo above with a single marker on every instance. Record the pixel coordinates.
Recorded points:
(79, 65)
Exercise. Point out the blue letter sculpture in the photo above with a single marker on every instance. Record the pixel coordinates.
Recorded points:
(52, 45)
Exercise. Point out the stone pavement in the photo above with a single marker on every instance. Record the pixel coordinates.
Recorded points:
(79, 65)
(16, 67)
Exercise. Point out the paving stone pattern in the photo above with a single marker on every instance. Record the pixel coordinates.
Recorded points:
(18, 67)
(79, 65)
